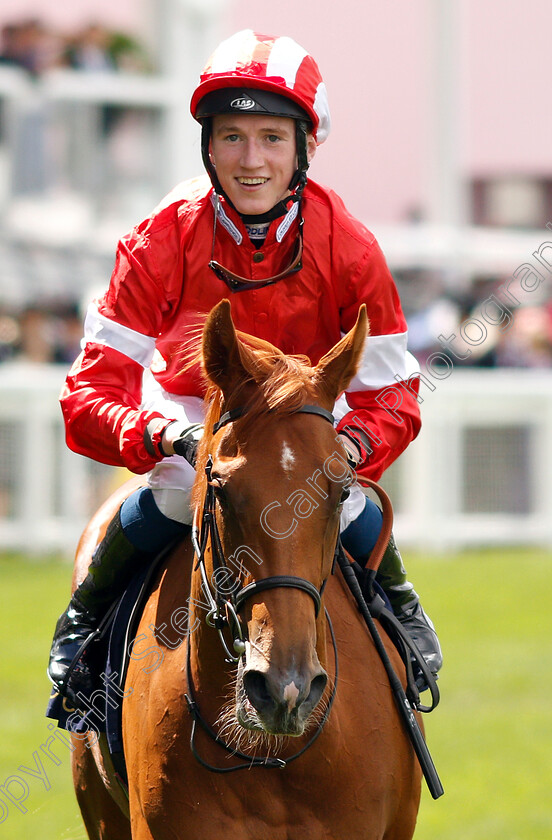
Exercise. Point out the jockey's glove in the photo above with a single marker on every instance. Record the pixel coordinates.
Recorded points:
(183, 439)
(173, 437)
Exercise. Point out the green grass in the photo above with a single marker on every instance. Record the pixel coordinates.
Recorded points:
(491, 736)
(32, 595)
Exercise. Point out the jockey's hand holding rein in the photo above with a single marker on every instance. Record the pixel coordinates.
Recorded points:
(176, 437)
(356, 446)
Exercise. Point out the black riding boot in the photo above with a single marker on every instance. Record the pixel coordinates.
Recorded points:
(405, 603)
(114, 562)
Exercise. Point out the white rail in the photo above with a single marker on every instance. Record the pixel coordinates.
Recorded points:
(479, 473)
(47, 493)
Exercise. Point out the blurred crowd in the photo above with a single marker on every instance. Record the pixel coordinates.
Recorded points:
(32, 46)
(51, 332)
(41, 334)
(522, 340)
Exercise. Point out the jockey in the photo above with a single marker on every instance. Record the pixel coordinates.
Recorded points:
(296, 267)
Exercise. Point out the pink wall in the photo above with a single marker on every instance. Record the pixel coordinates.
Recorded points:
(507, 64)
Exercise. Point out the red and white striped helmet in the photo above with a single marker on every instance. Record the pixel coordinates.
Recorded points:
(273, 64)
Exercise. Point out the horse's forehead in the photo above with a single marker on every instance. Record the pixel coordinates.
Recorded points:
(283, 456)
(286, 445)
(283, 446)
(287, 456)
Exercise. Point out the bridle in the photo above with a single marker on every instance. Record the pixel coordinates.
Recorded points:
(224, 607)
(224, 610)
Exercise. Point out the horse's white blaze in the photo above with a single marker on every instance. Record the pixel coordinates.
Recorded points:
(291, 693)
(288, 458)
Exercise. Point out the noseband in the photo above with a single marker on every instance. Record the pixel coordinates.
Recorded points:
(223, 610)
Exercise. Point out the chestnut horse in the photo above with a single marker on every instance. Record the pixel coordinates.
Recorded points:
(322, 754)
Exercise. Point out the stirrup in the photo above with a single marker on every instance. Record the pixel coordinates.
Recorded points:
(420, 628)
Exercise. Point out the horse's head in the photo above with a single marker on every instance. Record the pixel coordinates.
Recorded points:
(279, 477)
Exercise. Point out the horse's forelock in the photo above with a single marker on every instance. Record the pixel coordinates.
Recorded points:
(281, 384)
(275, 384)
(269, 382)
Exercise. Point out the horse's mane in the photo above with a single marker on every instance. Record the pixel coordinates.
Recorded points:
(275, 383)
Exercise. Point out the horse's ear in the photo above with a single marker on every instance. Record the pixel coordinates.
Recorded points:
(336, 369)
(221, 353)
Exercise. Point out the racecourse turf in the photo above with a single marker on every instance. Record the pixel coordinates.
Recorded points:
(491, 736)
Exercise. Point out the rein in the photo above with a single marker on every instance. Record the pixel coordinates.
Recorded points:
(402, 699)
(269, 762)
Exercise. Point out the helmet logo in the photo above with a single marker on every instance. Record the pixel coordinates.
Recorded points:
(243, 103)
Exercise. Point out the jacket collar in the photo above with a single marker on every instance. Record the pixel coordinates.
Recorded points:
(235, 227)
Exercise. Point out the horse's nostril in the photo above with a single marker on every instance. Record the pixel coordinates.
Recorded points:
(256, 688)
(317, 689)
(266, 697)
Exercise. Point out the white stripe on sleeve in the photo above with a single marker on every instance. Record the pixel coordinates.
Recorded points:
(102, 330)
(384, 358)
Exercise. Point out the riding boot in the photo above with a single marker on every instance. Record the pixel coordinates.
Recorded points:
(114, 562)
(405, 603)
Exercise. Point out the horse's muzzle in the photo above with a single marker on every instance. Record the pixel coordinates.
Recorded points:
(282, 703)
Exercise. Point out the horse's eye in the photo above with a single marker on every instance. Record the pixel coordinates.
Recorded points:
(219, 492)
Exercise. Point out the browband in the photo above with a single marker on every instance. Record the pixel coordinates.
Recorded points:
(236, 413)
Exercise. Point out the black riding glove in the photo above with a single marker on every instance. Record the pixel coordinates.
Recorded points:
(187, 442)
(173, 437)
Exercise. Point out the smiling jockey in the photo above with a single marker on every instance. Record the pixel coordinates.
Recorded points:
(296, 267)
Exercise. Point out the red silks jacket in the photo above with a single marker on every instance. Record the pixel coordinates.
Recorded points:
(162, 288)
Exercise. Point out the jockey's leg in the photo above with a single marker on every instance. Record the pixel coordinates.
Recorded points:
(361, 524)
(136, 534)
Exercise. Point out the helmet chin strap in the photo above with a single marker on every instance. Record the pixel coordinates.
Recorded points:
(275, 212)
(296, 185)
